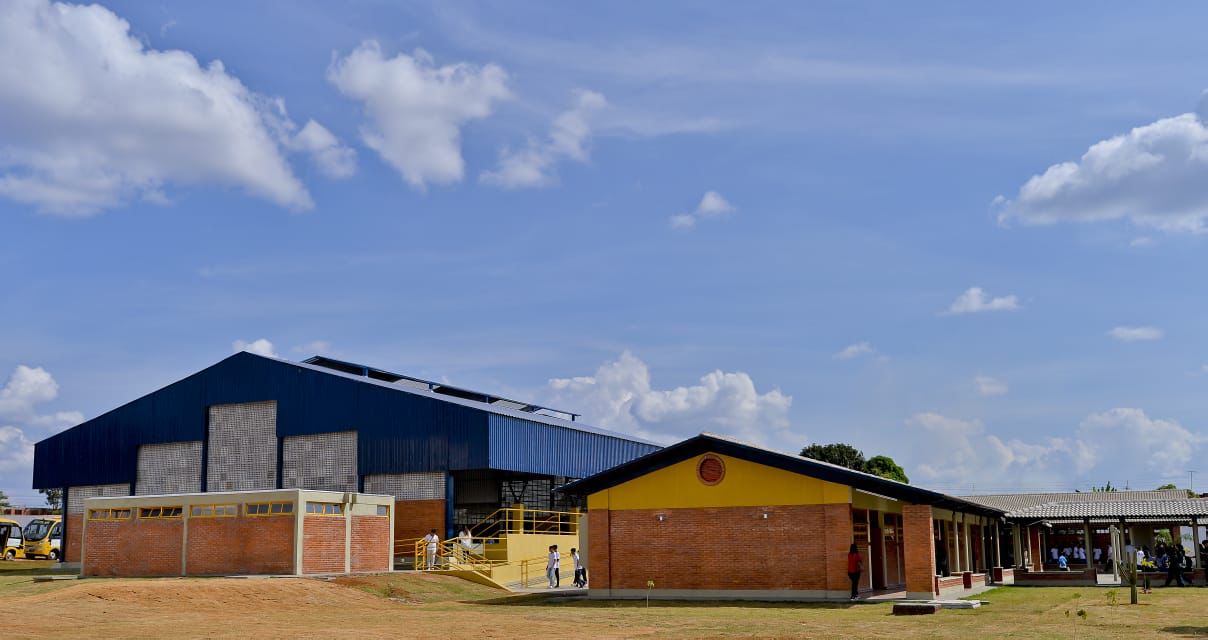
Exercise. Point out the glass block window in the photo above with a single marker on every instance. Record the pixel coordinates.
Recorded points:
(322, 461)
(407, 486)
(77, 495)
(169, 467)
(242, 453)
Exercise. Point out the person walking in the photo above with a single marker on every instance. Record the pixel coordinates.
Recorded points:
(432, 541)
(1204, 559)
(855, 564)
(580, 570)
(551, 567)
(1174, 565)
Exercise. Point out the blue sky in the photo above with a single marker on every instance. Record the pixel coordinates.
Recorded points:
(792, 222)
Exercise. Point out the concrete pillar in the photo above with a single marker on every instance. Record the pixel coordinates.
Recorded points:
(997, 544)
(968, 543)
(918, 547)
(1088, 543)
(954, 548)
(1195, 545)
(1018, 559)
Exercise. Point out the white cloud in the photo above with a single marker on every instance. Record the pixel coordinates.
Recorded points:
(987, 386)
(712, 205)
(1135, 334)
(90, 118)
(856, 350)
(975, 300)
(331, 157)
(1109, 445)
(22, 424)
(1152, 176)
(965, 453)
(682, 221)
(313, 348)
(415, 110)
(1122, 438)
(569, 137)
(259, 347)
(620, 396)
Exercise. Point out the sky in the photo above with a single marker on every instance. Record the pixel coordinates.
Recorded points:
(958, 235)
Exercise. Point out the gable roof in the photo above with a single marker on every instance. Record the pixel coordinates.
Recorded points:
(712, 443)
(1012, 502)
(1114, 510)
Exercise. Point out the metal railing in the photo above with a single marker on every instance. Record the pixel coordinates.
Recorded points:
(522, 520)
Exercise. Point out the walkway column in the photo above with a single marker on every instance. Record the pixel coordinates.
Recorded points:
(1195, 545)
(1018, 560)
(1088, 543)
(955, 563)
(918, 547)
(997, 545)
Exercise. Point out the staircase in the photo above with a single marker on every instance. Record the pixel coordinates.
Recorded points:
(508, 549)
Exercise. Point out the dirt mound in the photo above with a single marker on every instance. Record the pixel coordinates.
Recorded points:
(224, 593)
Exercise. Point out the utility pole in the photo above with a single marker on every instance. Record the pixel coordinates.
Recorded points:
(1191, 480)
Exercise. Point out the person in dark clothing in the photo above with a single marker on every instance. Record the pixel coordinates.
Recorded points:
(855, 564)
(1174, 566)
(1204, 559)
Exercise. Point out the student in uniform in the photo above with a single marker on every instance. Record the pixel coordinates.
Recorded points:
(551, 567)
(580, 570)
(430, 550)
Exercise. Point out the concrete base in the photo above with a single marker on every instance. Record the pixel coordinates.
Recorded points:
(759, 595)
(915, 609)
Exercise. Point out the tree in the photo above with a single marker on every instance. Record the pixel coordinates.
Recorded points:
(54, 498)
(841, 454)
(1107, 488)
(3, 499)
(885, 467)
(1167, 486)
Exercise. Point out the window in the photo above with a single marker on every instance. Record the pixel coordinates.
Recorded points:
(325, 508)
(160, 512)
(710, 470)
(213, 511)
(268, 508)
(108, 514)
(383, 510)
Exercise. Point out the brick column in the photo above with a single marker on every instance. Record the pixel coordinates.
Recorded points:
(599, 526)
(919, 548)
(1037, 548)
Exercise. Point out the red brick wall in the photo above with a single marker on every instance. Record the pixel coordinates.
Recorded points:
(371, 543)
(75, 534)
(796, 547)
(598, 548)
(919, 546)
(1036, 551)
(414, 518)
(323, 544)
(241, 545)
(135, 547)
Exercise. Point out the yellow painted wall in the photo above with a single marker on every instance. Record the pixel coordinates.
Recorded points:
(746, 484)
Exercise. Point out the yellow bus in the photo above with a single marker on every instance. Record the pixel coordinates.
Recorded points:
(44, 538)
(11, 543)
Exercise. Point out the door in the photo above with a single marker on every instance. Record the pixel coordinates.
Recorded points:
(877, 550)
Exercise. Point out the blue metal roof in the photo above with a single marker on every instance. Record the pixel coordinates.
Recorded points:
(400, 429)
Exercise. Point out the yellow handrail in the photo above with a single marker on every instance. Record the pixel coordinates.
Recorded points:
(525, 520)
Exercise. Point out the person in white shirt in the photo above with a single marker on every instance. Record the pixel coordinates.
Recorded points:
(1053, 554)
(1098, 554)
(551, 567)
(433, 541)
(580, 570)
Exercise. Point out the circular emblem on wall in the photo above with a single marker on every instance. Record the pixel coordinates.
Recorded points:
(710, 470)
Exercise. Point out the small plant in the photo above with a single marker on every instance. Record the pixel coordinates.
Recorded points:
(1112, 598)
(649, 586)
(1081, 613)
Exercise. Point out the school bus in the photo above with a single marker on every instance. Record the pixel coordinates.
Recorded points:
(11, 542)
(44, 538)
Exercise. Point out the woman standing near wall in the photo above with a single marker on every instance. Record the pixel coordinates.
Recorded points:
(855, 564)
